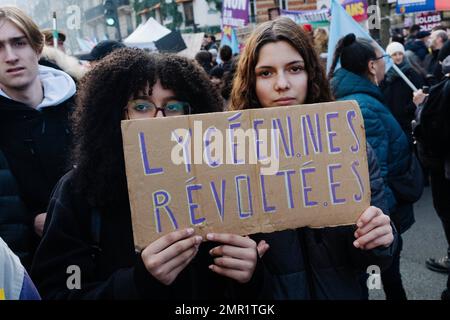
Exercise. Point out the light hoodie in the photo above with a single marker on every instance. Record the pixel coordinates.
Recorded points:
(58, 87)
(15, 284)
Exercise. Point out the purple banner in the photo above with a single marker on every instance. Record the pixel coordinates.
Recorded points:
(235, 13)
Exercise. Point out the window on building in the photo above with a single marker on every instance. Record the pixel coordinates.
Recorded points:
(188, 9)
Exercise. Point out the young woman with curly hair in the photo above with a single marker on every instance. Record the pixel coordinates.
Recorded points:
(89, 224)
(279, 67)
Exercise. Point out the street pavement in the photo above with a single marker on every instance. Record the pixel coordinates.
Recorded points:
(424, 239)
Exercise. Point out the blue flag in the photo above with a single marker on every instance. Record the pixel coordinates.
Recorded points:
(341, 25)
(230, 39)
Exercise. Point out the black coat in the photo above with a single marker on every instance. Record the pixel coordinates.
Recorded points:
(35, 143)
(419, 48)
(115, 270)
(16, 222)
(398, 96)
(323, 263)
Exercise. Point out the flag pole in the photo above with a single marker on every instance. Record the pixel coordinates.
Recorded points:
(55, 31)
(405, 78)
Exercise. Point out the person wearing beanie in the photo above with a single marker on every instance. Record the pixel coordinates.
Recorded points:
(398, 95)
(396, 51)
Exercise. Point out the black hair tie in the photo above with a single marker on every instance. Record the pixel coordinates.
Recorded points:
(349, 39)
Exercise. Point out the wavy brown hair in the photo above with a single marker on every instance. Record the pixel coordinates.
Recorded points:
(103, 94)
(243, 94)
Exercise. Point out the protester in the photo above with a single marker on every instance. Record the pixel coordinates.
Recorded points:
(15, 283)
(174, 266)
(49, 40)
(431, 63)
(213, 53)
(101, 50)
(209, 42)
(227, 83)
(412, 34)
(58, 59)
(443, 53)
(419, 45)
(204, 59)
(216, 75)
(226, 55)
(398, 96)
(434, 151)
(279, 67)
(34, 133)
(321, 41)
(362, 69)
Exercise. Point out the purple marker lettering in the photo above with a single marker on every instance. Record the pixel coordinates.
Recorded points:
(208, 154)
(331, 134)
(147, 169)
(192, 205)
(307, 189)
(288, 186)
(264, 200)
(350, 115)
(157, 204)
(357, 197)
(234, 146)
(276, 124)
(259, 142)
(314, 134)
(333, 185)
(220, 203)
(243, 214)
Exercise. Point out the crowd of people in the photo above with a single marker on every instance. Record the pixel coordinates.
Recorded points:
(63, 188)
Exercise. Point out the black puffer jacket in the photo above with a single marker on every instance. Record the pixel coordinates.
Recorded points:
(323, 263)
(16, 227)
(398, 96)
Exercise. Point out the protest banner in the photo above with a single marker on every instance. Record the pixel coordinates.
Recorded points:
(249, 171)
(235, 13)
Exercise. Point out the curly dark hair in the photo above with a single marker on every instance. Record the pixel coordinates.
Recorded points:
(189, 82)
(104, 92)
(102, 96)
(243, 95)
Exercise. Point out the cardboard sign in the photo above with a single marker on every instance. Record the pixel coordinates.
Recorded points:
(245, 172)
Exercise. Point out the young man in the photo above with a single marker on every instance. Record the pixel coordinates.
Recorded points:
(34, 105)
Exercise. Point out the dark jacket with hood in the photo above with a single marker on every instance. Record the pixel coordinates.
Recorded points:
(323, 263)
(419, 48)
(109, 265)
(34, 142)
(383, 133)
(398, 96)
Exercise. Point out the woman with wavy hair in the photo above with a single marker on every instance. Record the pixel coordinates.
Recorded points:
(279, 67)
(89, 225)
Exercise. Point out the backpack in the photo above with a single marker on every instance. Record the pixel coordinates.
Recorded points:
(431, 127)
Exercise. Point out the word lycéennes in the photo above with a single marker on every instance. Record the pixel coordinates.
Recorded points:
(208, 145)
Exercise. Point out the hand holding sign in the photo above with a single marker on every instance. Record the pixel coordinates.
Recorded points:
(166, 257)
(374, 230)
(236, 258)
